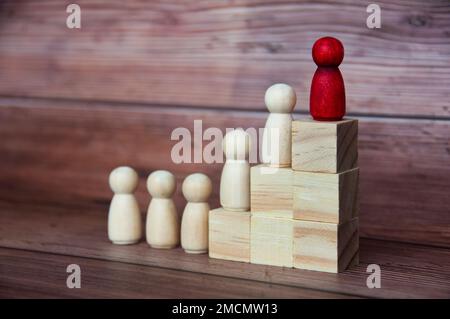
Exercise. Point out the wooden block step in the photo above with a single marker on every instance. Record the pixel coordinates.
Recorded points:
(328, 147)
(324, 246)
(322, 197)
(229, 235)
(271, 191)
(271, 240)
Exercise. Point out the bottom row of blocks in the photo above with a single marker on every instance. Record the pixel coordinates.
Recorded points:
(261, 239)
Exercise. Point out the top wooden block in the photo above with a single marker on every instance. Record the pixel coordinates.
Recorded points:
(326, 147)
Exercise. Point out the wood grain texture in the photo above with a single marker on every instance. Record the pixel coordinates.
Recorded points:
(408, 271)
(50, 148)
(229, 235)
(40, 275)
(323, 197)
(271, 191)
(326, 147)
(325, 247)
(271, 241)
(170, 52)
(213, 61)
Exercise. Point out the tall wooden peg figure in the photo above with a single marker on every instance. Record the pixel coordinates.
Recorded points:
(327, 99)
(124, 218)
(194, 225)
(162, 227)
(280, 100)
(235, 180)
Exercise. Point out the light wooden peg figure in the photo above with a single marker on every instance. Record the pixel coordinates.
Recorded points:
(235, 179)
(280, 100)
(124, 218)
(194, 226)
(162, 227)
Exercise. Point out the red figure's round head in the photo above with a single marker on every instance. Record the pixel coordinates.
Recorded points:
(328, 51)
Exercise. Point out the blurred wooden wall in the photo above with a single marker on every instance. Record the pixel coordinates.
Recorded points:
(76, 103)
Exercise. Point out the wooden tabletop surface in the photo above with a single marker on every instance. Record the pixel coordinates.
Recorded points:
(38, 244)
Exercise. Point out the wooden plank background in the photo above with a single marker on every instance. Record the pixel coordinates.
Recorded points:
(226, 53)
(76, 103)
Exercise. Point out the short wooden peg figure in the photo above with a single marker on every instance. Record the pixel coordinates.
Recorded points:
(280, 100)
(194, 226)
(124, 218)
(327, 99)
(235, 179)
(162, 228)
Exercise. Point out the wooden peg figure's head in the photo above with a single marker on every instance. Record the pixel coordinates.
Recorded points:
(197, 188)
(328, 52)
(280, 98)
(236, 145)
(161, 184)
(123, 180)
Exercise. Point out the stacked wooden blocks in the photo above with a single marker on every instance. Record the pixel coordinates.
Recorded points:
(325, 194)
(305, 216)
(272, 215)
(304, 211)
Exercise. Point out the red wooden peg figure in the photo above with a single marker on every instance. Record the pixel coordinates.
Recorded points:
(327, 99)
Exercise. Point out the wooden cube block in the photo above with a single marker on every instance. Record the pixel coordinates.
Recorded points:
(271, 190)
(323, 197)
(229, 235)
(271, 240)
(324, 246)
(328, 147)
